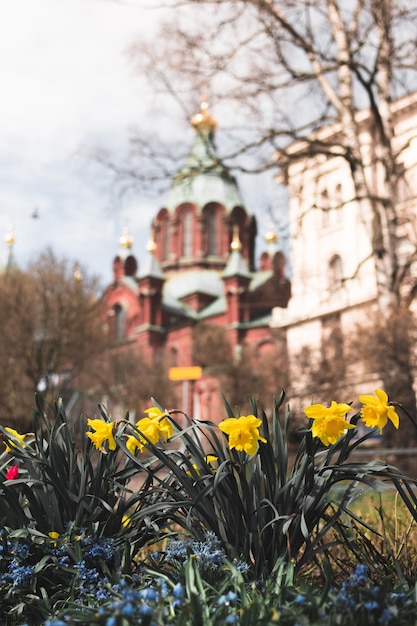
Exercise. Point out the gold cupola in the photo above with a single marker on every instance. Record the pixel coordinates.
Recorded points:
(151, 245)
(204, 121)
(126, 240)
(270, 235)
(236, 243)
(9, 237)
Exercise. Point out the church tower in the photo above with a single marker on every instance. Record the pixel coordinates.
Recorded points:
(194, 229)
(199, 265)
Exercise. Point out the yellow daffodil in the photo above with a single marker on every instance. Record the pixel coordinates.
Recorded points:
(165, 426)
(15, 440)
(150, 428)
(155, 413)
(103, 431)
(132, 443)
(210, 458)
(329, 422)
(376, 411)
(54, 536)
(126, 521)
(243, 432)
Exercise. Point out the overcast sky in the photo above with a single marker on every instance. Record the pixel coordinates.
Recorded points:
(67, 86)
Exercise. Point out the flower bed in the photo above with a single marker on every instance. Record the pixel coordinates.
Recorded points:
(223, 528)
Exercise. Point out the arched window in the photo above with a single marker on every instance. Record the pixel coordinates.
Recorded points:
(187, 234)
(403, 189)
(118, 314)
(335, 273)
(325, 207)
(336, 212)
(212, 233)
(166, 244)
(173, 356)
(332, 366)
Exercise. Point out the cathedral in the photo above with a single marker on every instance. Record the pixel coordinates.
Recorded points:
(200, 267)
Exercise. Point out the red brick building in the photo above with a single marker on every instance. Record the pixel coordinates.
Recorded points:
(200, 266)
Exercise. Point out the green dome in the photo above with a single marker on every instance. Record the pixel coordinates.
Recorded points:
(203, 178)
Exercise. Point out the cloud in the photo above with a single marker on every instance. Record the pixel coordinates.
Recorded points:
(66, 84)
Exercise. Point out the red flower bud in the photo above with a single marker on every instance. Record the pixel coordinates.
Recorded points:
(12, 472)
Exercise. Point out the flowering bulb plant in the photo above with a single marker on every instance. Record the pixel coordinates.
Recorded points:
(243, 433)
(261, 505)
(61, 476)
(329, 423)
(236, 479)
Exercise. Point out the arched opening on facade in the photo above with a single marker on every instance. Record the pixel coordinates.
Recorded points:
(162, 234)
(186, 232)
(117, 318)
(212, 230)
(335, 274)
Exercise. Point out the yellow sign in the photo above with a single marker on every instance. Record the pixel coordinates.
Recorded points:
(185, 373)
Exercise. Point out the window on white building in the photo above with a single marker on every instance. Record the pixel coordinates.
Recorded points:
(403, 190)
(336, 211)
(335, 273)
(325, 207)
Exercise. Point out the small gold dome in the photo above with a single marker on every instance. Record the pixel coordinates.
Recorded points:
(126, 240)
(151, 245)
(236, 243)
(204, 120)
(270, 235)
(9, 237)
(78, 276)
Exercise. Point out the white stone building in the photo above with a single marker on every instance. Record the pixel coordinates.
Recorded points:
(333, 273)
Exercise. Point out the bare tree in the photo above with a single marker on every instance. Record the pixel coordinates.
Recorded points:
(51, 330)
(127, 380)
(256, 370)
(282, 70)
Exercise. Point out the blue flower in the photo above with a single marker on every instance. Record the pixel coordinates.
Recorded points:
(148, 594)
(128, 609)
(394, 597)
(386, 617)
(145, 610)
(300, 599)
(163, 586)
(230, 598)
(344, 599)
(22, 575)
(102, 549)
(360, 576)
(209, 552)
(242, 567)
(178, 591)
(20, 550)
